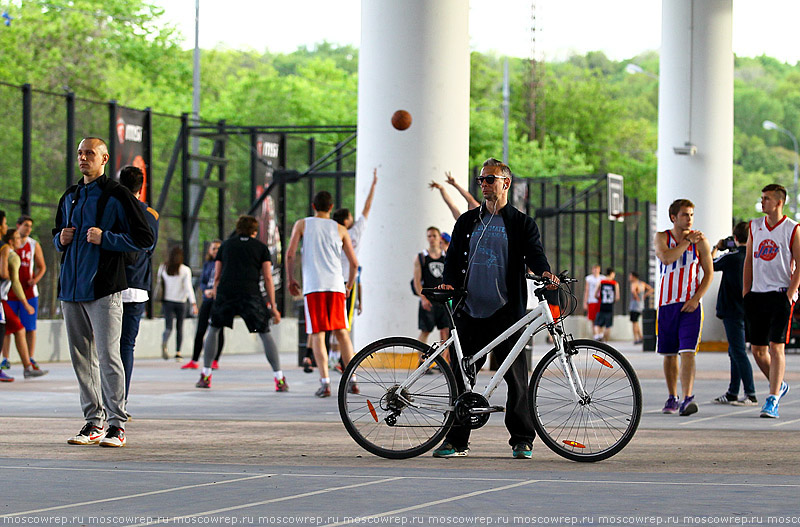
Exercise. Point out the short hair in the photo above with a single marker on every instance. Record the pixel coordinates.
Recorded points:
(9, 235)
(2, 215)
(131, 178)
(98, 140)
(504, 169)
(610, 270)
(246, 225)
(635, 274)
(677, 205)
(22, 219)
(323, 201)
(774, 187)
(340, 215)
(432, 228)
(740, 231)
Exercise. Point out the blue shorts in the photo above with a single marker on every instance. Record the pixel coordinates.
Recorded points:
(28, 321)
(678, 332)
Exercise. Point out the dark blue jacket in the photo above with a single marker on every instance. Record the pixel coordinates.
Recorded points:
(524, 250)
(140, 273)
(90, 271)
(729, 297)
(207, 279)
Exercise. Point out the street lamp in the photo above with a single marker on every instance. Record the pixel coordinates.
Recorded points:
(769, 125)
(635, 68)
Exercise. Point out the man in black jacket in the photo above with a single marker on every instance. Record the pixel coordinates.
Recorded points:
(491, 249)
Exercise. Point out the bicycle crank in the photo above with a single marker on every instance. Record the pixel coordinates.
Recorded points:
(472, 410)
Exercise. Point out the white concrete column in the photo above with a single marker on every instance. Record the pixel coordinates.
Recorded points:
(414, 56)
(695, 106)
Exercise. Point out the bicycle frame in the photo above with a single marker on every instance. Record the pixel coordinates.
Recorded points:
(538, 318)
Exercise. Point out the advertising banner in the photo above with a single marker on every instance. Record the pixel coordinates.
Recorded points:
(132, 140)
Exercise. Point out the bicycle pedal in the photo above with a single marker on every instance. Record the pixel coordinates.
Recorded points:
(498, 408)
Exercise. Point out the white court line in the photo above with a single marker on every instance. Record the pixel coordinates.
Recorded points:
(743, 410)
(265, 502)
(77, 469)
(364, 519)
(151, 493)
(786, 422)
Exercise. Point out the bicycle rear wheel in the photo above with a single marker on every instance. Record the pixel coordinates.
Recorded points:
(385, 420)
(598, 426)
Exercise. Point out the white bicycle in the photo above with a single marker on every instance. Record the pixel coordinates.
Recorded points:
(584, 395)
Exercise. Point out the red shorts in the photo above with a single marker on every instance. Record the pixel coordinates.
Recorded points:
(325, 311)
(13, 323)
(594, 308)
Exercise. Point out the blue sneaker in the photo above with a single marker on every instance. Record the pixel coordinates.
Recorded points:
(770, 408)
(448, 450)
(688, 406)
(671, 406)
(522, 450)
(784, 390)
(5, 365)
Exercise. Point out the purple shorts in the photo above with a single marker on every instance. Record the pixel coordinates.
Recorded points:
(678, 332)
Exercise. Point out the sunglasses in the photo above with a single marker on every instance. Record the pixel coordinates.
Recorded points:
(489, 179)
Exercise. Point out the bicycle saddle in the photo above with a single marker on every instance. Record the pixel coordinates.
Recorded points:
(440, 296)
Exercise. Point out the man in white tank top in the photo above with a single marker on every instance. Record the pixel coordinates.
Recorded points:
(323, 292)
(686, 271)
(771, 278)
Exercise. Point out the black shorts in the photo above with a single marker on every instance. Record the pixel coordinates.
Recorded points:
(437, 316)
(767, 317)
(604, 319)
(635, 316)
(252, 309)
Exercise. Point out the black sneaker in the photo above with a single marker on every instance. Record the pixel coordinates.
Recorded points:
(749, 400)
(115, 437)
(725, 398)
(523, 450)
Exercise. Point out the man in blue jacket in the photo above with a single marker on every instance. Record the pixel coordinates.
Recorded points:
(139, 274)
(490, 251)
(97, 222)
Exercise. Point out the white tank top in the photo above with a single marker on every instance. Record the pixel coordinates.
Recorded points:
(680, 279)
(772, 254)
(322, 256)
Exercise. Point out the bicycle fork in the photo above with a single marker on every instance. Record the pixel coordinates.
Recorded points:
(570, 372)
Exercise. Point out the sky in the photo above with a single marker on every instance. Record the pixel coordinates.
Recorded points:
(621, 29)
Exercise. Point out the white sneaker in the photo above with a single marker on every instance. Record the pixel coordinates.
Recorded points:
(115, 437)
(89, 435)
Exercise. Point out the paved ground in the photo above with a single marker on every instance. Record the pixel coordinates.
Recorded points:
(242, 454)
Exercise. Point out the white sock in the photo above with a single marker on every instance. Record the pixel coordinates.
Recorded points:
(206, 371)
(325, 380)
(334, 355)
(278, 375)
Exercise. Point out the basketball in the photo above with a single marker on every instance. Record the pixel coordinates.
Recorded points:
(401, 119)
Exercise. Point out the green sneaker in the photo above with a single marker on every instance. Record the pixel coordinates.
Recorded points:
(448, 450)
(522, 450)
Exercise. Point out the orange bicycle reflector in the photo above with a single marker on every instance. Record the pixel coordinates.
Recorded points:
(372, 410)
(602, 361)
(573, 444)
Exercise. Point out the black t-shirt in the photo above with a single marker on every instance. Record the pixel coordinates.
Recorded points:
(432, 270)
(608, 295)
(241, 257)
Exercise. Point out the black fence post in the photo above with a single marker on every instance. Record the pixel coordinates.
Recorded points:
(27, 130)
(186, 229)
(112, 134)
(221, 204)
(312, 157)
(71, 146)
(254, 155)
(147, 154)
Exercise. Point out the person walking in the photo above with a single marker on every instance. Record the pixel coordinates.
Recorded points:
(686, 274)
(490, 251)
(207, 289)
(97, 221)
(324, 294)
(139, 274)
(31, 270)
(639, 290)
(241, 262)
(175, 280)
(771, 278)
(591, 304)
(730, 309)
(608, 294)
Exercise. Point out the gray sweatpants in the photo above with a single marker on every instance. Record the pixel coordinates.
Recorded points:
(93, 331)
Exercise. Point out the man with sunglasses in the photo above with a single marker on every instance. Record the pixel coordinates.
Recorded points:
(491, 249)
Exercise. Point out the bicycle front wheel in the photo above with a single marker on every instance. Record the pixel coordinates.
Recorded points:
(602, 422)
(389, 421)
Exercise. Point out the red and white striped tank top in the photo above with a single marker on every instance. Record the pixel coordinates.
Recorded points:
(681, 278)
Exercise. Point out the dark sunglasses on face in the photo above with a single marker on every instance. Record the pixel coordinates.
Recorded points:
(489, 179)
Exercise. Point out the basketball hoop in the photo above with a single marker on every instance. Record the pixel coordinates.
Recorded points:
(630, 219)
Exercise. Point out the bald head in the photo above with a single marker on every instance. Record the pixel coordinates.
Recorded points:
(92, 158)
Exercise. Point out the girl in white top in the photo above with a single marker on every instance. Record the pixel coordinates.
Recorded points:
(175, 281)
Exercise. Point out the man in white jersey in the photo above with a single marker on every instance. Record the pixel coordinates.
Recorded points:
(591, 304)
(686, 272)
(323, 291)
(771, 277)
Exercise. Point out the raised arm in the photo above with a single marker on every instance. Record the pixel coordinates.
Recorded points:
(368, 203)
(472, 203)
(446, 197)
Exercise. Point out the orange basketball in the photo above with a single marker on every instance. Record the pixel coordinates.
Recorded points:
(401, 119)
